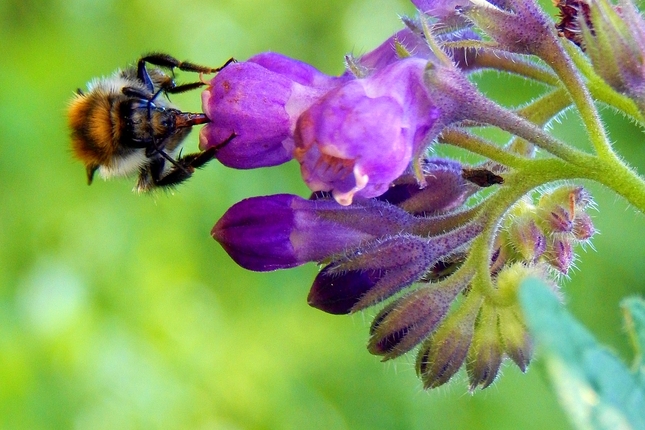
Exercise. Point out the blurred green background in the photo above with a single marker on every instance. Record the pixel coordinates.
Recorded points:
(120, 311)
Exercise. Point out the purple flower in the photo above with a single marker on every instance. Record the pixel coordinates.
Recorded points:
(363, 135)
(282, 231)
(259, 101)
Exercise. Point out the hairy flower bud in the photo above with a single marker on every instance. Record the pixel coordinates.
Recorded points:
(485, 354)
(377, 270)
(404, 323)
(441, 356)
(613, 37)
(515, 337)
(444, 191)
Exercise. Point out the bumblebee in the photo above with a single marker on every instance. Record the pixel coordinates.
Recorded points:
(125, 124)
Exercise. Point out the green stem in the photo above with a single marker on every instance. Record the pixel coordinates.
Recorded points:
(554, 55)
(479, 145)
(613, 173)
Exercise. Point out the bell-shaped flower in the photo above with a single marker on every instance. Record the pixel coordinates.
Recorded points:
(361, 136)
(258, 102)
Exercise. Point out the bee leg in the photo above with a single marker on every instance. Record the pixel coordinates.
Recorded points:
(165, 60)
(184, 167)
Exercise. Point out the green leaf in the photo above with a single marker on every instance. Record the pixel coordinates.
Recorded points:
(595, 388)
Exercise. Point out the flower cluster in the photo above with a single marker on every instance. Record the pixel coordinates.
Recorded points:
(445, 245)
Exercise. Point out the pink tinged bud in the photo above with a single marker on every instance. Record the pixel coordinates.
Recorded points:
(559, 220)
(485, 353)
(377, 270)
(259, 101)
(404, 323)
(518, 26)
(514, 335)
(583, 228)
(441, 356)
(526, 238)
(282, 231)
(559, 254)
(445, 189)
(361, 136)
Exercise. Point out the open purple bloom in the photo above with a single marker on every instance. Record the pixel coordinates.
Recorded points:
(259, 101)
(363, 135)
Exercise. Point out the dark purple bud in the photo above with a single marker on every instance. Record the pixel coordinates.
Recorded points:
(375, 271)
(404, 323)
(445, 189)
(441, 356)
(363, 135)
(370, 274)
(259, 101)
(486, 350)
(282, 231)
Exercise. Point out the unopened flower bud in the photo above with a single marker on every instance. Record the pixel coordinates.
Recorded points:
(583, 228)
(559, 254)
(444, 191)
(526, 238)
(379, 269)
(441, 356)
(486, 350)
(514, 335)
(613, 36)
(282, 231)
(404, 323)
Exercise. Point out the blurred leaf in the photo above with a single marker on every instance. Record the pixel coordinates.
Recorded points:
(595, 388)
(634, 313)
